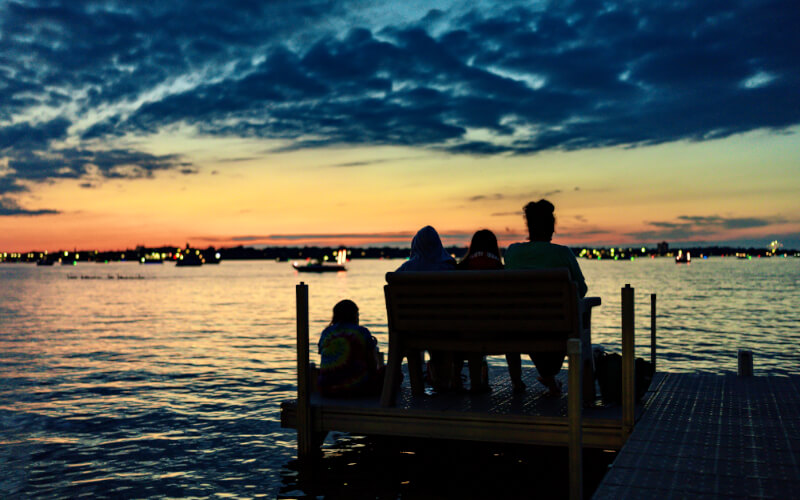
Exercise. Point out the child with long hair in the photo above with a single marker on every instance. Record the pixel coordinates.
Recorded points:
(483, 255)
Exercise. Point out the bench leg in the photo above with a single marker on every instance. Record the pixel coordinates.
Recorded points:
(415, 372)
(589, 394)
(392, 379)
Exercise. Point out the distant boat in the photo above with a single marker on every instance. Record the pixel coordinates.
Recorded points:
(314, 266)
(683, 258)
(151, 260)
(44, 262)
(189, 260)
(215, 258)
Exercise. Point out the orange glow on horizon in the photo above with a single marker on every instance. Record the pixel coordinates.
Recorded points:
(602, 197)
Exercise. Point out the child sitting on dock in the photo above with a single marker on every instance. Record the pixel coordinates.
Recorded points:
(351, 364)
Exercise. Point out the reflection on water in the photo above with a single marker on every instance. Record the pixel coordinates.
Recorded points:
(359, 467)
(170, 385)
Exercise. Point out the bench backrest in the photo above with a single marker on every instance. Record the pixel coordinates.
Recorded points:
(491, 303)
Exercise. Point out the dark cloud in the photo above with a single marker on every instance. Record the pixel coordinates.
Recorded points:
(686, 227)
(74, 163)
(584, 233)
(499, 79)
(486, 197)
(10, 208)
(11, 185)
(366, 163)
(353, 164)
(26, 135)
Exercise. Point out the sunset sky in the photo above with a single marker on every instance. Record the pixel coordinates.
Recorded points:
(358, 122)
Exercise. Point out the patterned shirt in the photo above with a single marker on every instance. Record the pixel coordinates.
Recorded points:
(344, 367)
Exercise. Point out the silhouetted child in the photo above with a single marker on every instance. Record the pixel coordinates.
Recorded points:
(428, 254)
(483, 255)
(350, 364)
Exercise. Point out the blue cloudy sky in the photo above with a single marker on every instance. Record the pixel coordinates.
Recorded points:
(463, 111)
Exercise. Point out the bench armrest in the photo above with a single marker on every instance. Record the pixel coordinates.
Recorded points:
(587, 303)
(585, 306)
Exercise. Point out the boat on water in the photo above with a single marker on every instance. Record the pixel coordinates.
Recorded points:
(683, 258)
(189, 257)
(44, 262)
(212, 258)
(317, 267)
(189, 260)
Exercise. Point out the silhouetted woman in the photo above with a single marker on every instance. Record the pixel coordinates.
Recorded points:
(539, 253)
(483, 255)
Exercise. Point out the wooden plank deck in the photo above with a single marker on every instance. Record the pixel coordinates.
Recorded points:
(710, 436)
(500, 416)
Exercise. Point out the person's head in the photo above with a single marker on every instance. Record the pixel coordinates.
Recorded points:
(345, 311)
(483, 241)
(427, 244)
(540, 220)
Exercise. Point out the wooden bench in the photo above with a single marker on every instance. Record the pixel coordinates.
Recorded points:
(486, 312)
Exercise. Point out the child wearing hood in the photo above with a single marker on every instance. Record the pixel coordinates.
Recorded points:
(428, 254)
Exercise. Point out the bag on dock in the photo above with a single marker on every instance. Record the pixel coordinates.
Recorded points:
(608, 371)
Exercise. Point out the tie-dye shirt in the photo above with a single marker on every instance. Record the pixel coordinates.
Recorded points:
(344, 368)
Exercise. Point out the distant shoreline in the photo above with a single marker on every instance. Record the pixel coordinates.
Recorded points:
(329, 253)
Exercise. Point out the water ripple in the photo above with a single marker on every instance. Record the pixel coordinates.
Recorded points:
(170, 386)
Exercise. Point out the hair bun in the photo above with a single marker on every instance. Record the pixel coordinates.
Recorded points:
(545, 205)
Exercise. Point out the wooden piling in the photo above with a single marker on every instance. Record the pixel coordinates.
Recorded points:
(745, 363)
(574, 409)
(305, 440)
(628, 357)
(653, 330)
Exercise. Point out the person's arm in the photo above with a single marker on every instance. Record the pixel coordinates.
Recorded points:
(575, 272)
(373, 355)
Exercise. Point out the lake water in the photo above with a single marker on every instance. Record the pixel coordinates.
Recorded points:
(170, 385)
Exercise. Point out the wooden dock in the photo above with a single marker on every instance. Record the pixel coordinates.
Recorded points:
(500, 416)
(710, 436)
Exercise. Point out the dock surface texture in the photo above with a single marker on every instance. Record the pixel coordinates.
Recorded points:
(499, 416)
(712, 436)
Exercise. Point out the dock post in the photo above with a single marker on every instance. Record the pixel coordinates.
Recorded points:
(745, 363)
(628, 357)
(653, 331)
(305, 445)
(574, 407)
